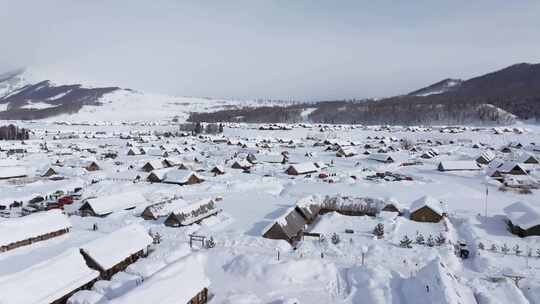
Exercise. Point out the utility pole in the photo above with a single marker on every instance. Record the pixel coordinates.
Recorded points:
(486, 202)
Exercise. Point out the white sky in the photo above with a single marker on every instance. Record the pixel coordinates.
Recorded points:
(267, 49)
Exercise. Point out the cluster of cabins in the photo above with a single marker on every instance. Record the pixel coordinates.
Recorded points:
(57, 279)
(291, 225)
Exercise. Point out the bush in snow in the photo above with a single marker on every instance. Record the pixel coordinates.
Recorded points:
(335, 239)
(210, 243)
(505, 249)
(405, 242)
(440, 240)
(430, 241)
(516, 249)
(419, 239)
(379, 231)
(322, 239)
(493, 248)
(538, 252)
(481, 246)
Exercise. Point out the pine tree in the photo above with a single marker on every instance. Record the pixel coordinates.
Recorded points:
(440, 240)
(335, 239)
(505, 249)
(430, 241)
(516, 249)
(420, 239)
(493, 248)
(156, 238)
(210, 243)
(481, 246)
(198, 128)
(405, 242)
(379, 231)
(538, 252)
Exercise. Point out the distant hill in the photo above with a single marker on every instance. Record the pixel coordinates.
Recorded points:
(499, 97)
(440, 87)
(24, 96)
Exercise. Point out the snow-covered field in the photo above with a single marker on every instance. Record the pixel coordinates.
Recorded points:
(350, 264)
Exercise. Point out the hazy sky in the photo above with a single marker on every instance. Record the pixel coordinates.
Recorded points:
(268, 49)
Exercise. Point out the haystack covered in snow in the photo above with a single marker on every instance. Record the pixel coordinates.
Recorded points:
(115, 251)
(37, 227)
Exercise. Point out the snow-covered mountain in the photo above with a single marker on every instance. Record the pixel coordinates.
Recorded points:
(26, 96)
(440, 87)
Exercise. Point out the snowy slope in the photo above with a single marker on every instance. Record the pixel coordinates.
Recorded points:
(29, 95)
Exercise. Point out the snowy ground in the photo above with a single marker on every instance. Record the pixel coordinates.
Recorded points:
(243, 267)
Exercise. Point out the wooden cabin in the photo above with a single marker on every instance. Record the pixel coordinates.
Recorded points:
(105, 205)
(54, 281)
(115, 251)
(184, 281)
(303, 168)
(162, 209)
(427, 209)
(37, 227)
(381, 157)
(288, 227)
(192, 213)
(523, 219)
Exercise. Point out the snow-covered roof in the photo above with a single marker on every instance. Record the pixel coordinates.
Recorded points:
(12, 171)
(18, 229)
(523, 214)
(304, 167)
(450, 165)
(178, 176)
(106, 204)
(177, 283)
(431, 202)
(165, 208)
(115, 247)
(47, 281)
(487, 155)
(380, 157)
(195, 211)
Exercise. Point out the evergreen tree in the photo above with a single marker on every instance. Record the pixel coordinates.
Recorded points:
(493, 248)
(405, 242)
(430, 241)
(481, 246)
(420, 239)
(440, 240)
(516, 249)
(378, 231)
(505, 249)
(538, 253)
(335, 239)
(198, 128)
(210, 243)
